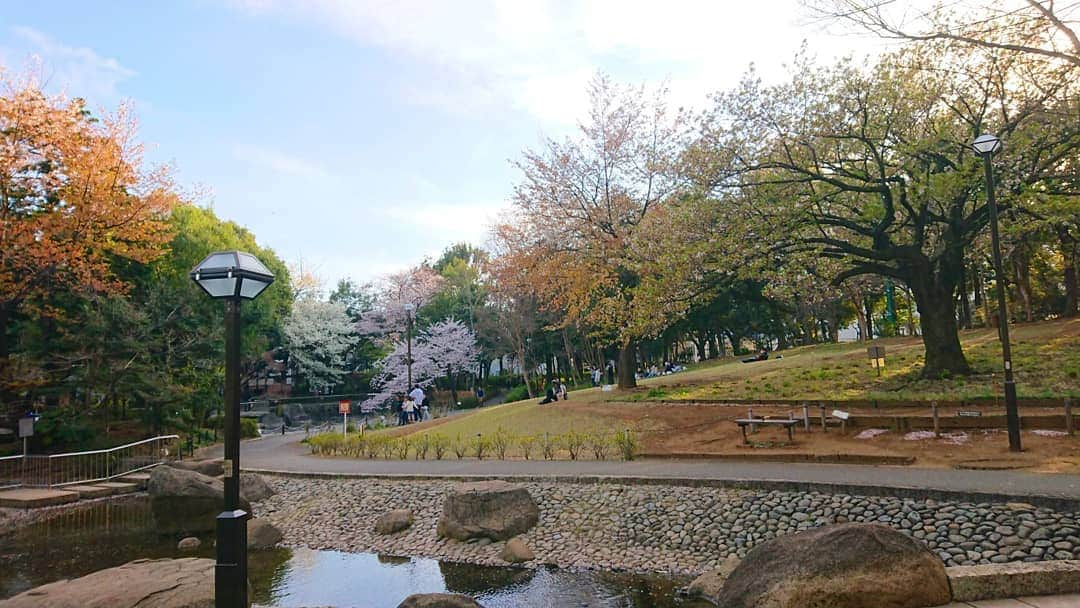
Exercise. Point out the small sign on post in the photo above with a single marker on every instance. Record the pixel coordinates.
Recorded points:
(969, 413)
(343, 409)
(26, 431)
(876, 354)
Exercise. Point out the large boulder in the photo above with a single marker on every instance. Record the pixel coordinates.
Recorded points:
(254, 488)
(186, 501)
(709, 584)
(262, 534)
(211, 468)
(487, 509)
(144, 583)
(439, 600)
(394, 521)
(840, 566)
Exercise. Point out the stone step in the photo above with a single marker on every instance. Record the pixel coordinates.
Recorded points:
(139, 479)
(29, 498)
(119, 487)
(90, 491)
(991, 581)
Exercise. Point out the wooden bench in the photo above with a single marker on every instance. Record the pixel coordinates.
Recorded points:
(789, 424)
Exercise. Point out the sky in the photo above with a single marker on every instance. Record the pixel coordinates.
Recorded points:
(360, 137)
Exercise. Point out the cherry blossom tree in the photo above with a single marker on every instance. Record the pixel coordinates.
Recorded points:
(319, 335)
(414, 287)
(442, 350)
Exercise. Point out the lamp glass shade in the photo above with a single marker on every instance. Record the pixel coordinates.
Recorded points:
(987, 144)
(232, 274)
(251, 288)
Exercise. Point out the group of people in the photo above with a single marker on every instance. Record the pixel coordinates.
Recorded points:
(653, 371)
(555, 391)
(414, 407)
(598, 374)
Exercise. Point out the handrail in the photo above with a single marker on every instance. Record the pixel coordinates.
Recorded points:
(112, 449)
(69, 468)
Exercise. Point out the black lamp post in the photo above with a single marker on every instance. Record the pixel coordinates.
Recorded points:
(987, 145)
(232, 276)
(408, 343)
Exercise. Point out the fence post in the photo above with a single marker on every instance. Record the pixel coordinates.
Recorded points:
(806, 415)
(1069, 427)
(750, 415)
(934, 413)
(824, 428)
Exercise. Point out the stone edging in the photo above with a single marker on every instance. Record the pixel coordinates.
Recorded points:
(1057, 503)
(1018, 579)
(864, 459)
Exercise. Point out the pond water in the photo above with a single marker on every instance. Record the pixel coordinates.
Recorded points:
(83, 539)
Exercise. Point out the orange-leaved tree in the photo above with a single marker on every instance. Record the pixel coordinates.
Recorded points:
(578, 212)
(74, 199)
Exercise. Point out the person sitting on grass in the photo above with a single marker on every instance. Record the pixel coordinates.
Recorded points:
(550, 395)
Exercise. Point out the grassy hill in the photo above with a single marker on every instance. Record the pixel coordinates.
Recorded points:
(1047, 362)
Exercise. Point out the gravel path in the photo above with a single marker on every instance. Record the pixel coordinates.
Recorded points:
(646, 528)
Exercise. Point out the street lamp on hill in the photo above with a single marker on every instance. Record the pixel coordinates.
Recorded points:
(232, 276)
(987, 146)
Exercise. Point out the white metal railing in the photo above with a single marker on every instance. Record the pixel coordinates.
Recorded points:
(49, 470)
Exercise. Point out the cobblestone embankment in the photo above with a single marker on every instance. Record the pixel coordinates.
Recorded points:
(647, 528)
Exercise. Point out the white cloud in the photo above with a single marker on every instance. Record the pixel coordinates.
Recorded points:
(444, 222)
(278, 161)
(77, 70)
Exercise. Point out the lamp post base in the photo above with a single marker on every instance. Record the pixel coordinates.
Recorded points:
(230, 572)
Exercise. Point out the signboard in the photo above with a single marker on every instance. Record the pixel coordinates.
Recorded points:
(876, 354)
(343, 407)
(842, 415)
(969, 414)
(26, 427)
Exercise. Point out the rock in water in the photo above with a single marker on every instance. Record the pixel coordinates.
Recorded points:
(439, 600)
(516, 551)
(144, 583)
(262, 534)
(189, 544)
(186, 501)
(487, 509)
(210, 468)
(840, 566)
(254, 488)
(708, 585)
(394, 521)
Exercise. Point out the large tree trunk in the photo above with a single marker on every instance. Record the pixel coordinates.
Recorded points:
(965, 305)
(937, 313)
(627, 365)
(1022, 269)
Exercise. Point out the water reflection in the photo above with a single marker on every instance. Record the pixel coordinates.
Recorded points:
(105, 534)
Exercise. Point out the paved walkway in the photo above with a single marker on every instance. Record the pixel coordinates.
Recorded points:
(1042, 601)
(286, 453)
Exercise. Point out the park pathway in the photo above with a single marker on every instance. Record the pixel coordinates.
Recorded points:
(285, 453)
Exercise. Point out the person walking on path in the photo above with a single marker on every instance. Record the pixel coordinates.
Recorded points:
(409, 407)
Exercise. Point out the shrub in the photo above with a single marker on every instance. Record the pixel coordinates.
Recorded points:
(574, 442)
(373, 445)
(500, 442)
(626, 444)
(517, 393)
(549, 445)
(401, 447)
(249, 427)
(421, 445)
(527, 443)
(387, 447)
(460, 447)
(479, 445)
(440, 443)
(598, 442)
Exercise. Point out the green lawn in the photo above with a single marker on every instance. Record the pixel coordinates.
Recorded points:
(1046, 360)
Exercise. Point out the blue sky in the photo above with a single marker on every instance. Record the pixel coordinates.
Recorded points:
(361, 136)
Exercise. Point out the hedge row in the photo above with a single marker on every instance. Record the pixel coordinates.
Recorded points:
(573, 445)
